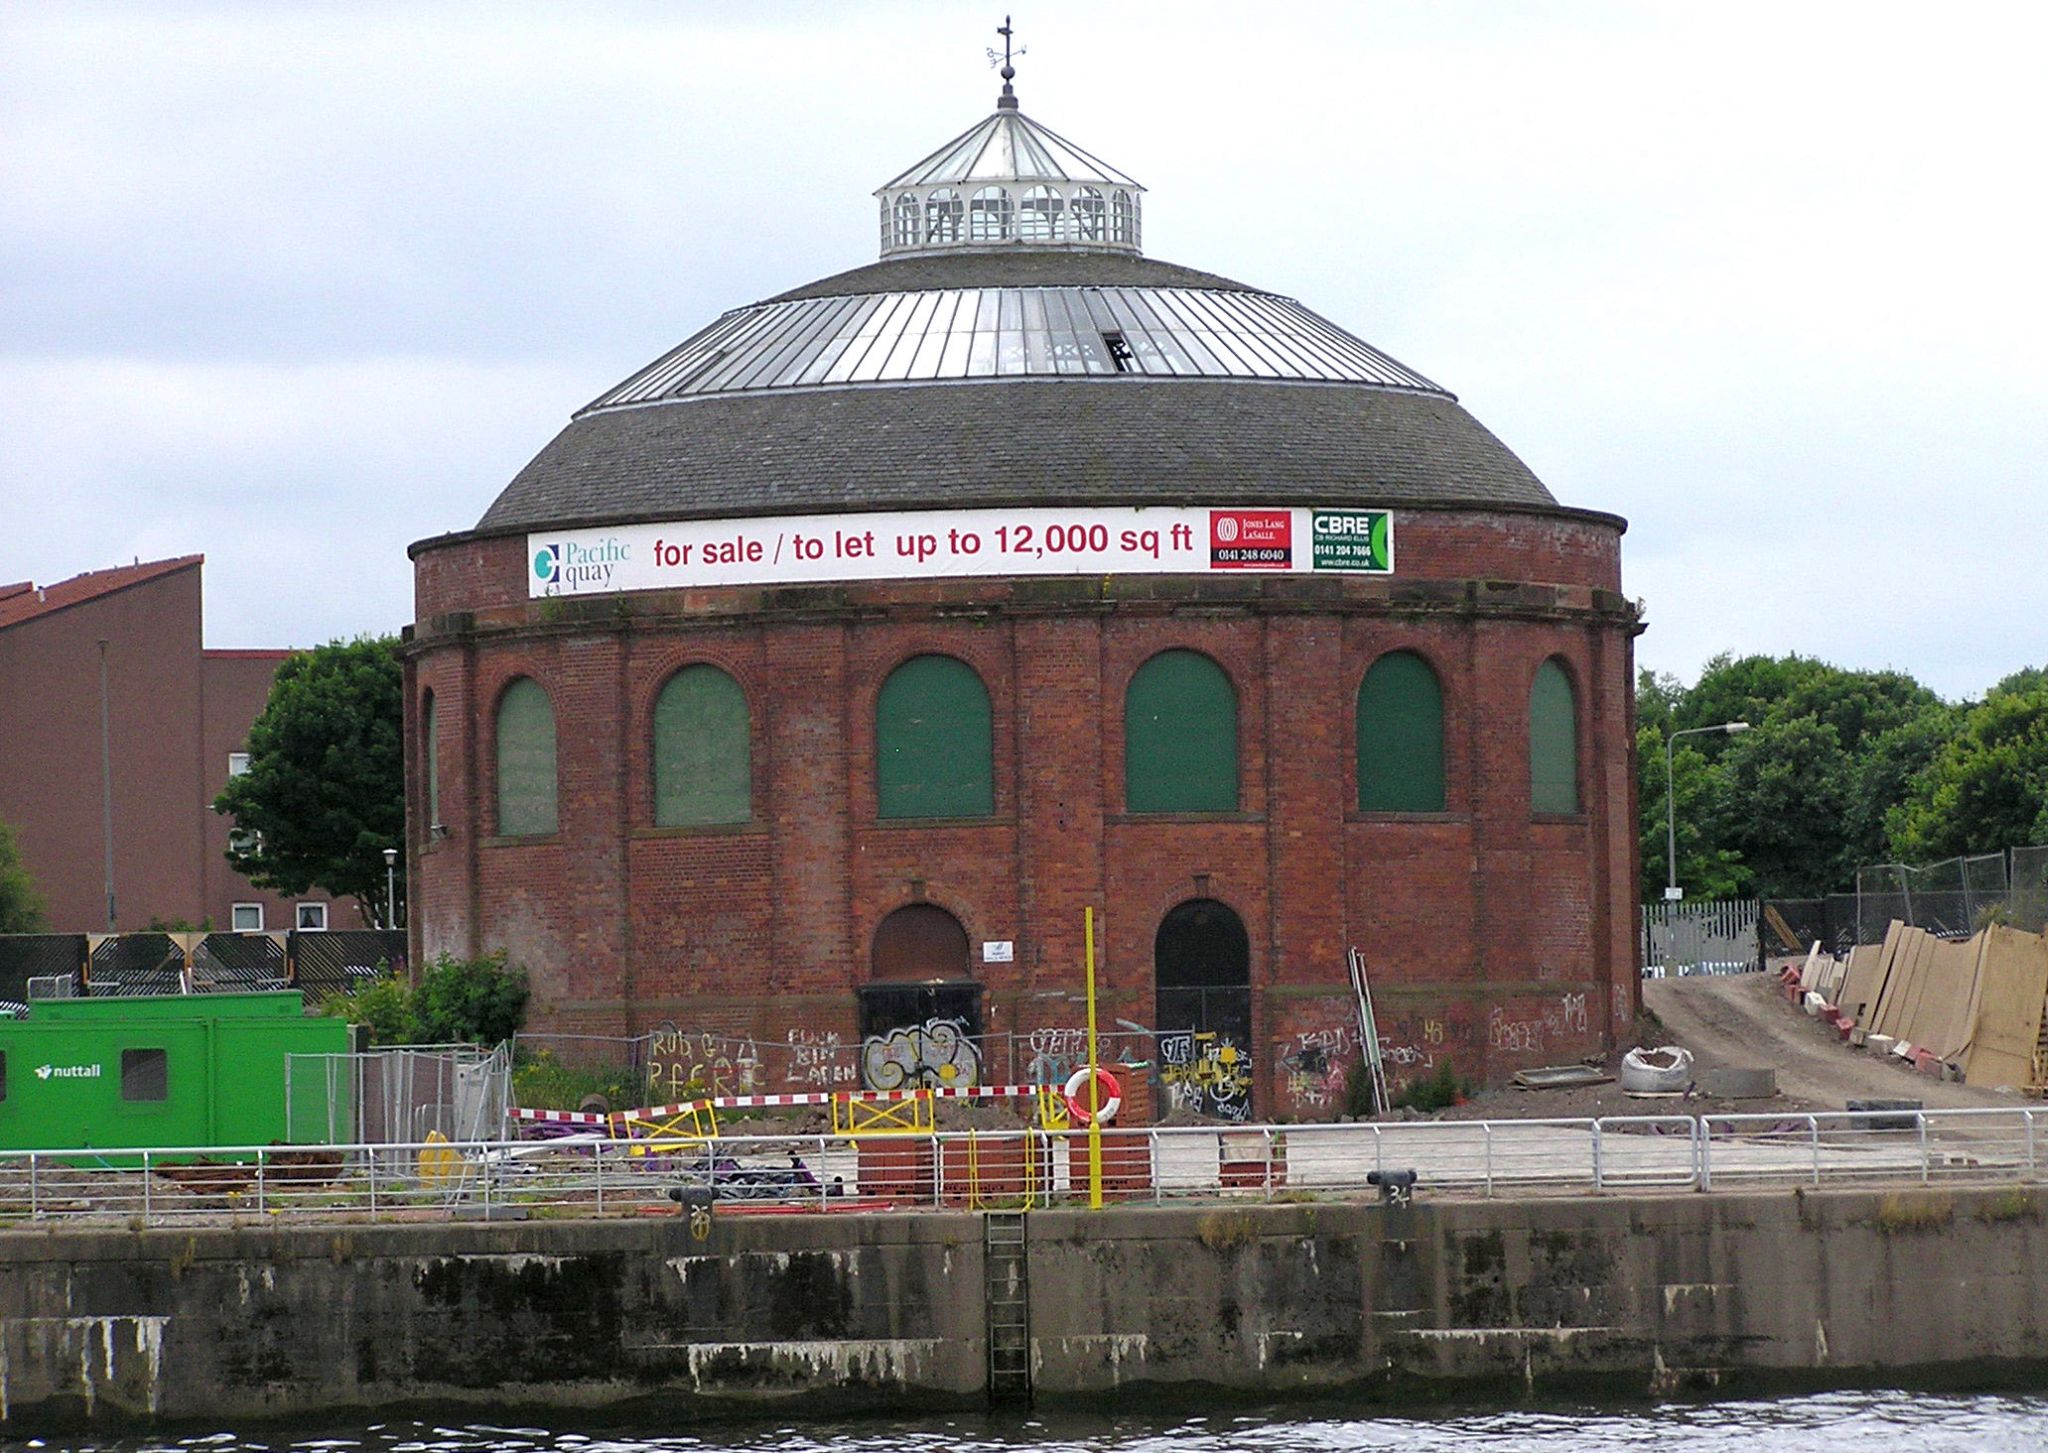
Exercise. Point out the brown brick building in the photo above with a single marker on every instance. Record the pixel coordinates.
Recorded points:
(178, 715)
(810, 684)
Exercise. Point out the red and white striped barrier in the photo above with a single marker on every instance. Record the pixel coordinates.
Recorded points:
(619, 1119)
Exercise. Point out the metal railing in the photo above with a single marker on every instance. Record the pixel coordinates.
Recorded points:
(599, 1176)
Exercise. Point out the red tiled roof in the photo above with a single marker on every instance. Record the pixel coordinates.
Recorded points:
(28, 603)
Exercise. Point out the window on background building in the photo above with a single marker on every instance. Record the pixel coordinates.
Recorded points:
(312, 917)
(988, 215)
(1180, 736)
(934, 741)
(238, 763)
(942, 213)
(703, 759)
(526, 761)
(145, 1074)
(1553, 741)
(246, 918)
(1400, 736)
(430, 751)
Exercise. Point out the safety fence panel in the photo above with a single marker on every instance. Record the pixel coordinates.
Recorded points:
(226, 963)
(345, 960)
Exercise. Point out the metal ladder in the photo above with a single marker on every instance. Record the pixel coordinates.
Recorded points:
(1008, 1307)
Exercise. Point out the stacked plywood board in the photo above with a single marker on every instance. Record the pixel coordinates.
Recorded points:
(1974, 1005)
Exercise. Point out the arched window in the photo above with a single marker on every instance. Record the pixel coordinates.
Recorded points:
(430, 755)
(988, 215)
(1553, 741)
(942, 210)
(920, 942)
(1087, 216)
(1400, 736)
(906, 221)
(1038, 215)
(703, 761)
(1123, 220)
(526, 761)
(1180, 736)
(934, 741)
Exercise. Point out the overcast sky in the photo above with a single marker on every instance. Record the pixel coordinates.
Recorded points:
(294, 284)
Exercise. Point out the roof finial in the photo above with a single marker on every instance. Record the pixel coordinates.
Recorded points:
(1008, 100)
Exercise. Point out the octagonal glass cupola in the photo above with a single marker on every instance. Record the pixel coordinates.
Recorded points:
(1009, 182)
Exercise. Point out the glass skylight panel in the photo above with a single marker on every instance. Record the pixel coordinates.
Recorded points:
(960, 333)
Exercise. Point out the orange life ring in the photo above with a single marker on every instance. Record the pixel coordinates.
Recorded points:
(1108, 1092)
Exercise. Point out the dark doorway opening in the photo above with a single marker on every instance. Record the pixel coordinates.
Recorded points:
(1202, 961)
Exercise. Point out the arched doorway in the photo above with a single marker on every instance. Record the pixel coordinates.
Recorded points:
(1202, 960)
(920, 1016)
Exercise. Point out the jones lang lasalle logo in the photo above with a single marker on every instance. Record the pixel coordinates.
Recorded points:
(566, 566)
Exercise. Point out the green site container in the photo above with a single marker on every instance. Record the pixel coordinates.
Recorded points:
(147, 1072)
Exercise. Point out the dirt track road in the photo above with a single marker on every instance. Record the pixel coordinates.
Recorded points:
(1742, 1020)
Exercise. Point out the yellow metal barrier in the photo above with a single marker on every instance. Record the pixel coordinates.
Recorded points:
(854, 1115)
(688, 1128)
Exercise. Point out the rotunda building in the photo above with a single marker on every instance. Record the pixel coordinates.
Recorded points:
(796, 700)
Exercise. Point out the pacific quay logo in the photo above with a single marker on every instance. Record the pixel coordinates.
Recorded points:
(67, 1072)
(547, 565)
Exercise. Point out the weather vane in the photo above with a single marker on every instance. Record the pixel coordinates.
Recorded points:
(1009, 71)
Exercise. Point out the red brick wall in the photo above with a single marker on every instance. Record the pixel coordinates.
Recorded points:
(1494, 941)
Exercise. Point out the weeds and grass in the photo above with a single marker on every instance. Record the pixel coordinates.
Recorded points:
(1226, 1230)
(1439, 1092)
(2014, 1203)
(540, 1081)
(1903, 1212)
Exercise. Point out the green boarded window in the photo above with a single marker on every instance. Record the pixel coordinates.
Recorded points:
(526, 761)
(1553, 742)
(1400, 736)
(430, 746)
(703, 763)
(934, 741)
(1180, 736)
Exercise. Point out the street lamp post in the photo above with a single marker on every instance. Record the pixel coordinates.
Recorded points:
(1672, 892)
(390, 887)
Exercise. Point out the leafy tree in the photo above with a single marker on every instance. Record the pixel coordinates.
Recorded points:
(325, 791)
(1986, 790)
(1789, 785)
(21, 906)
(1705, 870)
(457, 1001)
(1884, 776)
(2023, 682)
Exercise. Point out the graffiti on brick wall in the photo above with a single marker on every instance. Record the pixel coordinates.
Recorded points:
(1207, 1073)
(820, 1060)
(1313, 1064)
(1053, 1054)
(1566, 1019)
(680, 1062)
(938, 1054)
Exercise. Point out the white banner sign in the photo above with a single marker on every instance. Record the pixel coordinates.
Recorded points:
(794, 549)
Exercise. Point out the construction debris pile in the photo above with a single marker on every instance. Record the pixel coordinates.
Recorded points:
(1962, 1009)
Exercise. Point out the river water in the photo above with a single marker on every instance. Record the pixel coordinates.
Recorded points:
(1826, 1423)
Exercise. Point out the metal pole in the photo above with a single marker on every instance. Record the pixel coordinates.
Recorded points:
(1670, 824)
(106, 789)
(1094, 1072)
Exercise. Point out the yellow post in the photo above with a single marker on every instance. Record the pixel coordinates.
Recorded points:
(1094, 1069)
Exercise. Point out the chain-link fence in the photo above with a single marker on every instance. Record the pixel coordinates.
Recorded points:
(397, 1096)
(1956, 896)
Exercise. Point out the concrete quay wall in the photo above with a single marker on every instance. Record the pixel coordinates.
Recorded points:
(814, 1313)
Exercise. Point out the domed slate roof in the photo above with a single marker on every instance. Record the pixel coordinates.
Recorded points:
(1017, 359)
